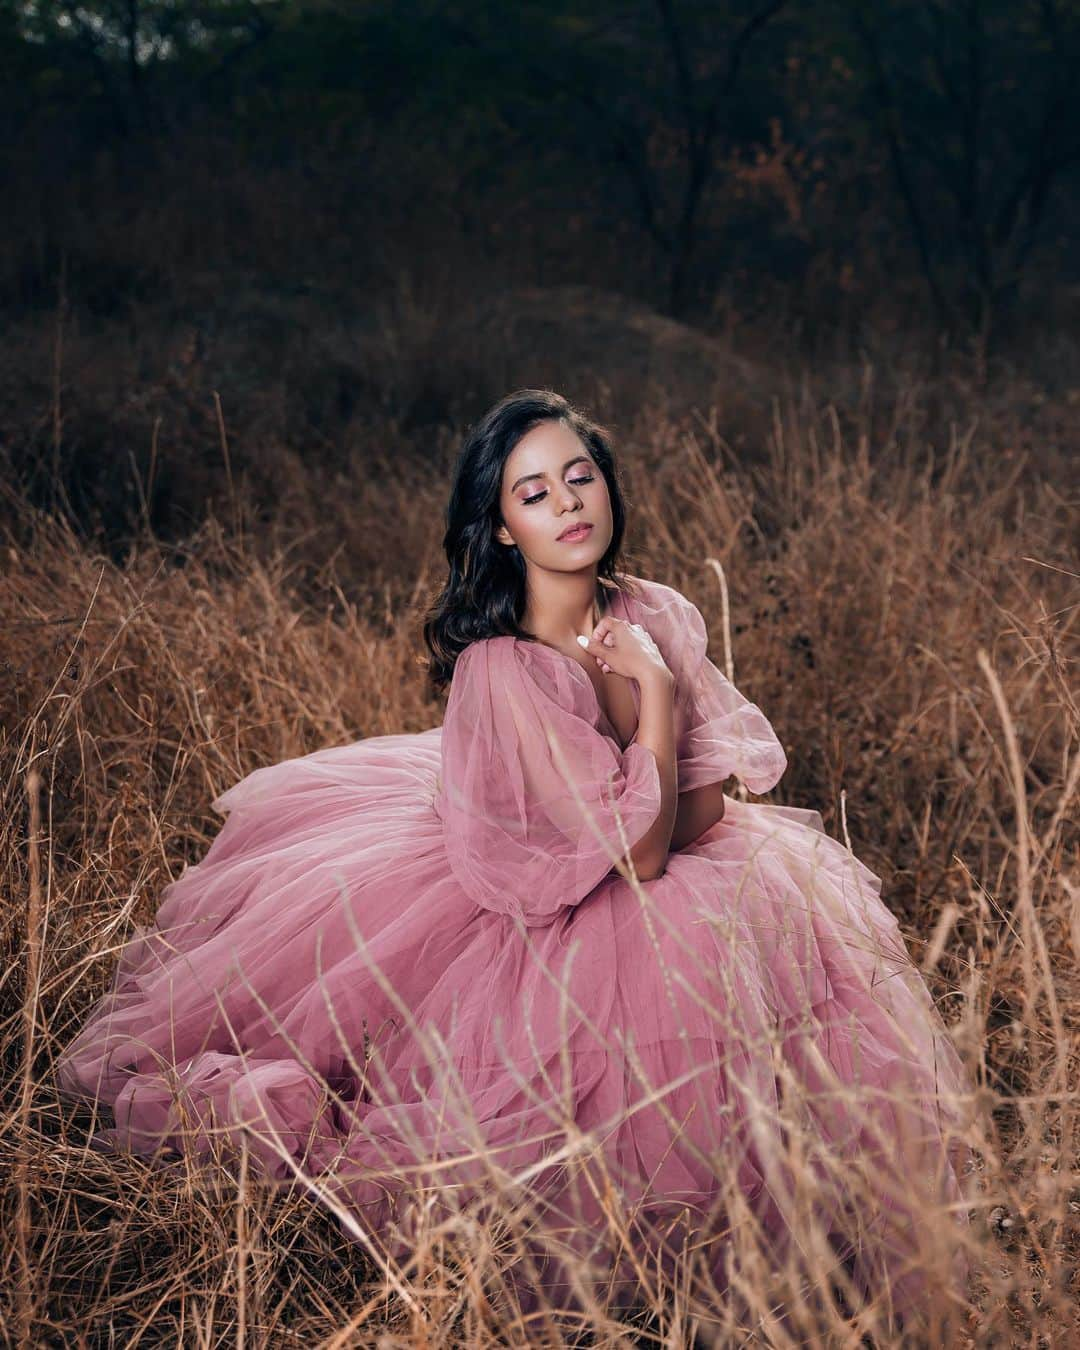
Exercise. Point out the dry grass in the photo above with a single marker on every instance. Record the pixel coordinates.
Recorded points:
(906, 618)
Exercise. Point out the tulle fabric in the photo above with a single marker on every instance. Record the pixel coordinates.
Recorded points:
(412, 958)
(533, 797)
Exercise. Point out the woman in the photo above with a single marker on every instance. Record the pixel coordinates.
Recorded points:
(536, 956)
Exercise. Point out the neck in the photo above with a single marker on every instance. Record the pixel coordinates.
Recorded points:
(560, 605)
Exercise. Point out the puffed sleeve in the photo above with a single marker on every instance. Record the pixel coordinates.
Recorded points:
(519, 748)
(719, 732)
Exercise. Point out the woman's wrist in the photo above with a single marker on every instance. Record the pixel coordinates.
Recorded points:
(660, 679)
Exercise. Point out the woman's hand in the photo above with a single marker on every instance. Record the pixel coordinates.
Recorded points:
(625, 649)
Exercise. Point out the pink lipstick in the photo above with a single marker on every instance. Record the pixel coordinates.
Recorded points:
(575, 535)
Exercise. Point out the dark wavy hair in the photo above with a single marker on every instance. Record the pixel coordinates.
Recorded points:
(484, 594)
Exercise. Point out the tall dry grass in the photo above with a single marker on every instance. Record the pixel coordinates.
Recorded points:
(904, 615)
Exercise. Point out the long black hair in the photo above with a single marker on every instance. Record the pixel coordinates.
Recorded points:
(484, 594)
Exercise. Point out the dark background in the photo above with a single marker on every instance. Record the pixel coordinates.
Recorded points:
(329, 230)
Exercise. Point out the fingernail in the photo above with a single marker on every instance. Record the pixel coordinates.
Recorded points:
(582, 640)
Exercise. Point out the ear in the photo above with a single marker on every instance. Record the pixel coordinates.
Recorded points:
(503, 535)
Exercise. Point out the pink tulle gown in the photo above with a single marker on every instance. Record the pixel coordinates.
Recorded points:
(414, 949)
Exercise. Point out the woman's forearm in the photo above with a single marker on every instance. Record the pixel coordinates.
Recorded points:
(698, 810)
(656, 731)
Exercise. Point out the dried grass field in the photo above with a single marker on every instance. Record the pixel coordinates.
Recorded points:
(890, 562)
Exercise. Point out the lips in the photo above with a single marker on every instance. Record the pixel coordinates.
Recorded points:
(575, 532)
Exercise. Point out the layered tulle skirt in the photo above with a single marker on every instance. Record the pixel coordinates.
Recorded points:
(731, 1044)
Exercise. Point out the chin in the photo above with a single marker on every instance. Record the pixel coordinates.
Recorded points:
(583, 558)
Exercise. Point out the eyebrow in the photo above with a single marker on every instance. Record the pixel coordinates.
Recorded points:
(526, 477)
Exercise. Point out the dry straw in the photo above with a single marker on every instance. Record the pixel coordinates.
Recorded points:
(890, 620)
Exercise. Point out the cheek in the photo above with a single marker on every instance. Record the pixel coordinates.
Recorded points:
(522, 522)
(531, 528)
(601, 500)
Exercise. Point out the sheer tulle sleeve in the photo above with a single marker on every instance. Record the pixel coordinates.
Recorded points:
(517, 743)
(719, 731)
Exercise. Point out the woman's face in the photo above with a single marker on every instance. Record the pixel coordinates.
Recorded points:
(551, 483)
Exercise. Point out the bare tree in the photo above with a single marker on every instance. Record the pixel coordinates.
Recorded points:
(666, 129)
(124, 41)
(979, 107)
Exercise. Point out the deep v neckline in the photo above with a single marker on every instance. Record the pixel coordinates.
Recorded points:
(617, 597)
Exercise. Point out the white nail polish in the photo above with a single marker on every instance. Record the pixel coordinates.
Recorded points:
(582, 640)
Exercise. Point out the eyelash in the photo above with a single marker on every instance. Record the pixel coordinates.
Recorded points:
(527, 501)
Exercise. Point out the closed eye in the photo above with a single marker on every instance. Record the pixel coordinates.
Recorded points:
(527, 501)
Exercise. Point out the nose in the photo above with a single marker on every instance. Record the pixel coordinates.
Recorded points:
(569, 499)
